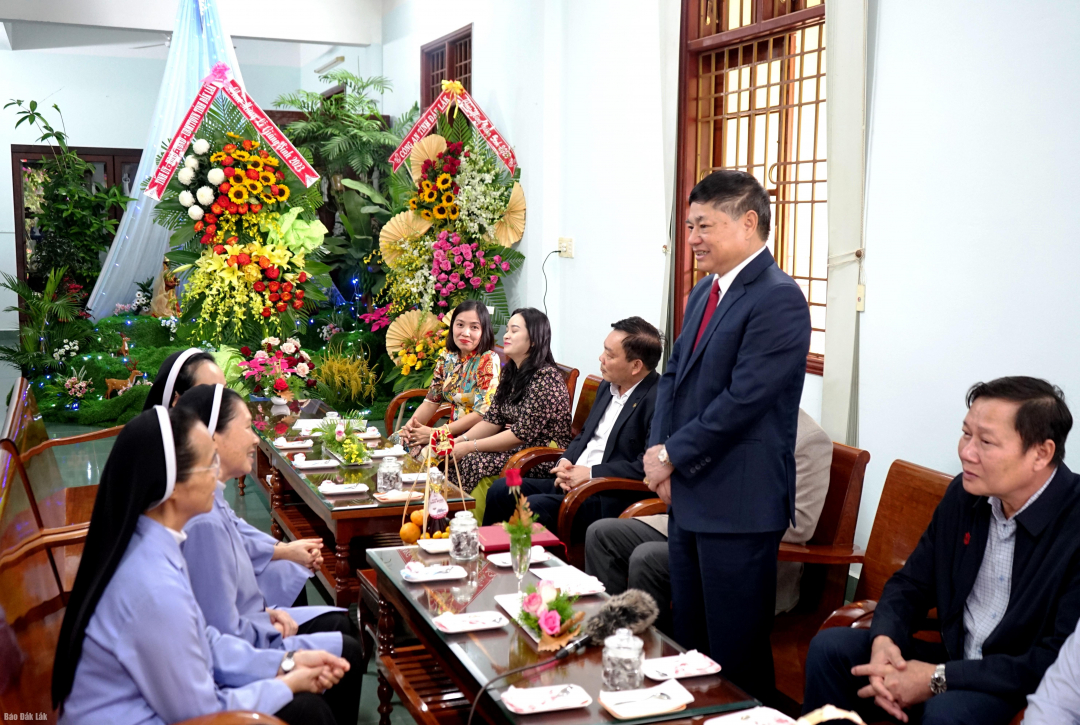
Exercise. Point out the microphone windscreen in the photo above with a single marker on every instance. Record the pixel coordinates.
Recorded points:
(633, 609)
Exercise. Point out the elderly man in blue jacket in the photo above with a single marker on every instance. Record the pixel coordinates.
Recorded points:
(723, 435)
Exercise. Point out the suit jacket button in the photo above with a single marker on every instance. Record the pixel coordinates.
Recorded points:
(708, 459)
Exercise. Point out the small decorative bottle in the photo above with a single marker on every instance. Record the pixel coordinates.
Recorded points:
(624, 657)
(389, 476)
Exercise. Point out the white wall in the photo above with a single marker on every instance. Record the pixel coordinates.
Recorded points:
(106, 101)
(596, 146)
(972, 259)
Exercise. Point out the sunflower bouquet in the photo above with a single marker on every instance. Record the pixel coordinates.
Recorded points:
(245, 235)
(436, 188)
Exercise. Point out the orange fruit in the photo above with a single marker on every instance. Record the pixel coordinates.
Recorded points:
(417, 517)
(409, 533)
(426, 535)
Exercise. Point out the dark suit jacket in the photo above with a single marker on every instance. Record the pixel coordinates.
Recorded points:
(728, 411)
(1044, 604)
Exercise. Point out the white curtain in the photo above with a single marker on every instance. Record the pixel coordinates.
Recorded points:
(198, 42)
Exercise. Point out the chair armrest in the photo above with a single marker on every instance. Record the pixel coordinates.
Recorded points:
(234, 717)
(821, 554)
(72, 440)
(444, 411)
(575, 497)
(528, 458)
(645, 507)
(855, 614)
(396, 403)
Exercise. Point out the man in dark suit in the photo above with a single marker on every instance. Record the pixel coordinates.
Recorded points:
(1000, 561)
(612, 442)
(723, 437)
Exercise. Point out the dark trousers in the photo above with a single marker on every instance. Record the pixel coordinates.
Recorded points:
(543, 496)
(628, 554)
(727, 581)
(834, 652)
(306, 708)
(344, 697)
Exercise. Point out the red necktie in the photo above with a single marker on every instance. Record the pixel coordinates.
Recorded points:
(710, 307)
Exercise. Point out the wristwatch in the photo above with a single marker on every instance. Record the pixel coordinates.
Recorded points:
(288, 663)
(937, 680)
(662, 456)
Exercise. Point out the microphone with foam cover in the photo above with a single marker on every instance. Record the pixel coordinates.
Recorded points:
(633, 609)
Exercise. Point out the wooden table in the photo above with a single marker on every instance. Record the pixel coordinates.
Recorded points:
(469, 660)
(346, 524)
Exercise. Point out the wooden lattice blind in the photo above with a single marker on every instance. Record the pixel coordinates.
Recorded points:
(447, 59)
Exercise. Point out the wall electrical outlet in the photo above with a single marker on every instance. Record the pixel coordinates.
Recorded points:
(566, 247)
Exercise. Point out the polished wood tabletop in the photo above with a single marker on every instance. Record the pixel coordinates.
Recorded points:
(474, 658)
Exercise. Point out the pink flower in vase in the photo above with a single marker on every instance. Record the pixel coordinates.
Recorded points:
(533, 604)
(550, 622)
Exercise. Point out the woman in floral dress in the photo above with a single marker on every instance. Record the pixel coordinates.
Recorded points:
(531, 406)
(466, 376)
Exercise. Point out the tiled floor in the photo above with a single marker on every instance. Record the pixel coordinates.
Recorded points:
(82, 464)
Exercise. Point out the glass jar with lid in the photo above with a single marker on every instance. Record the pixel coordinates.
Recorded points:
(464, 537)
(389, 476)
(624, 658)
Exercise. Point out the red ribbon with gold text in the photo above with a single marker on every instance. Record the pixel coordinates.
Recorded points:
(454, 93)
(220, 80)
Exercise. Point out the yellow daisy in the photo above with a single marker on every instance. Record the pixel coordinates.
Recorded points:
(238, 194)
(254, 162)
(444, 181)
(448, 198)
(452, 210)
(253, 186)
(267, 177)
(440, 211)
(282, 193)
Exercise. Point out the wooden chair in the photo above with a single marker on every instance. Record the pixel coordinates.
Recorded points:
(36, 574)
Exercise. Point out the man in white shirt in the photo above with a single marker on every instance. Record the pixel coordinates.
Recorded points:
(611, 443)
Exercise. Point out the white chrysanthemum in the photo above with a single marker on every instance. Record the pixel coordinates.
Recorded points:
(186, 198)
(302, 370)
(205, 195)
(201, 146)
(215, 176)
(191, 162)
(185, 175)
(195, 212)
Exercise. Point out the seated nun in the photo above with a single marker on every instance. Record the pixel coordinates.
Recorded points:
(133, 646)
(280, 579)
(222, 574)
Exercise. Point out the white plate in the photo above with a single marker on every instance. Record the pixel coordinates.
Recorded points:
(441, 572)
(570, 580)
(511, 604)
(630, 704)
(313, 423)
(539, 554)
(285, 445)
(338, 489)
(396, 451)
(753, 716)
(371, 432)
(528, 700)
(677, 667)
(434, 546)
(315, 463)
(469, 621)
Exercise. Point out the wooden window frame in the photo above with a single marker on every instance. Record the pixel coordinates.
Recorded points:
(448, 44)
(692, 43)
(111, 157)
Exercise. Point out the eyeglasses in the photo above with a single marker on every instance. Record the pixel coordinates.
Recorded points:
(215, 465)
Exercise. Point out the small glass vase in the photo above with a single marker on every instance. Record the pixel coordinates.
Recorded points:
(520, 556)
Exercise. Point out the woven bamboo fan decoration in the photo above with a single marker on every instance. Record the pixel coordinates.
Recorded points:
(408, 328)
(509, 229)
(428, 147)
(402, 226)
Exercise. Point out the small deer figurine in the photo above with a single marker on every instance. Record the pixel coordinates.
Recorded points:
(118, 386)
(124, 340)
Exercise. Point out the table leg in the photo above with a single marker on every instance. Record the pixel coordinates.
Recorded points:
(276, 497)
(386, 647)
(341, 571)
(240, 483)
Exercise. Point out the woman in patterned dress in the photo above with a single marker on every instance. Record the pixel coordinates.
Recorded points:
(531, 406)
(466, 375)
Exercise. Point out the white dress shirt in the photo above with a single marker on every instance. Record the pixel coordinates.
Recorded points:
(729, 277)
(989, 597)
(594, 452)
